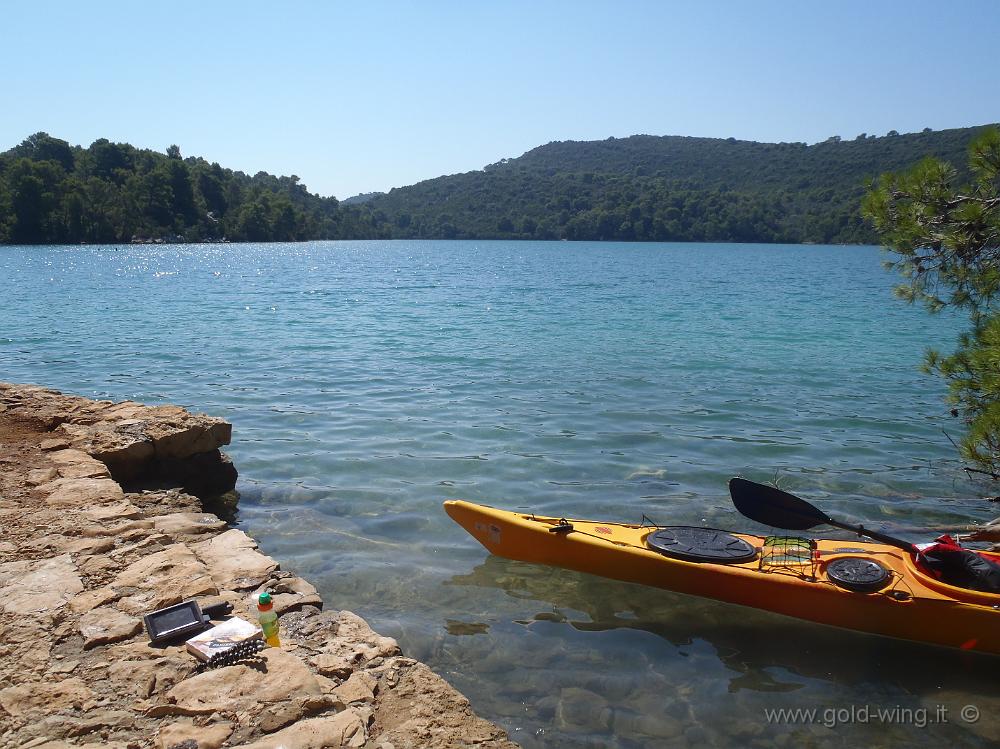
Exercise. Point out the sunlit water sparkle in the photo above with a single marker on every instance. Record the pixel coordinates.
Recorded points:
(369, 381)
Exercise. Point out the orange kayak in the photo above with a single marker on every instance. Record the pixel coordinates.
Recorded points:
(859, 585)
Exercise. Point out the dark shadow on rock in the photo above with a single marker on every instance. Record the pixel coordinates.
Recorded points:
(224, 506)
(205, 475)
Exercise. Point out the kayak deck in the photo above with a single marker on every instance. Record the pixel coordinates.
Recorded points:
(910, 605)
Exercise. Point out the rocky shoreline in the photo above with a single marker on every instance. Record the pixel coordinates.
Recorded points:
(103, 523)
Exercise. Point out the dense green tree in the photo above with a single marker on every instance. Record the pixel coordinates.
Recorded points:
(34, 189)
(945, 239)
(110, 161)
(212, 190)
(43, 147)
(183, 206)
(254, 222)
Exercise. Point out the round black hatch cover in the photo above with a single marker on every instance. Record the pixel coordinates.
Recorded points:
(695, 544)
(857, 574)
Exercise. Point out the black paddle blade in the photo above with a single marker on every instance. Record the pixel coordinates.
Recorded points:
(773, 507)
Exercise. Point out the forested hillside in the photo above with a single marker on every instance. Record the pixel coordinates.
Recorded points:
(666, 189)
(51, 192)
(644, 187)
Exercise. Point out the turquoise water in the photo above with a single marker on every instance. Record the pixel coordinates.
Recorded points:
(369, 381)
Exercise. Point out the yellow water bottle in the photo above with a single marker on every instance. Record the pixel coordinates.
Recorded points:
(268, 619)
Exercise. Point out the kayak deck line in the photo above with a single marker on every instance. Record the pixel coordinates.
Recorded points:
(908, 604)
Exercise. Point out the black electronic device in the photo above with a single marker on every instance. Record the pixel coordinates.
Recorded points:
(181, 620)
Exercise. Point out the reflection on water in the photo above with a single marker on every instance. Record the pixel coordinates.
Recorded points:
(692, 669)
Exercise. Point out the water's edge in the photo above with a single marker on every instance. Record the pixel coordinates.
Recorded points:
(153, 548)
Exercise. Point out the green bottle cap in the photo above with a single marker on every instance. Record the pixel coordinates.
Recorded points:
(264, 599)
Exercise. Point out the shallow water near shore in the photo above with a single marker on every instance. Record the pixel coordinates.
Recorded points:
(369, 381)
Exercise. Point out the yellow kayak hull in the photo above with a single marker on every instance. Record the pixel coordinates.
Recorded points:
(911, 606)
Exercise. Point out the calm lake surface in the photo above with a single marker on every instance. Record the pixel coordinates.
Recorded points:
(369, 381)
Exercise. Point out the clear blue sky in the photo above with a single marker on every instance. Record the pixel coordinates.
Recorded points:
(367, 95)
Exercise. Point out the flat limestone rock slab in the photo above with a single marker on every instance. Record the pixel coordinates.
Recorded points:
(356, 642)
(38, 586)
(117, 511)
(128, 445)
(188, 524)
(105, 624)
(291, 594)
(423, 701)
(285, 602)
(93, 470)
(130, 433)
(281, 677)
(123, 529)
(182, 435)
(99, 566)
(163, 578)
(87, 545)
(327, 732)
(205, 737)
(332, 665)
(359, 687)
(91, 599)
(45, 697)
(81, 492)
(41, 476)
(27, 640)
(148, 675)
(234, 561)
(54, 443)
(78, 464)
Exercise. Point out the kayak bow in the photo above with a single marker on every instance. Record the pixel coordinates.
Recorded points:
(859, 585)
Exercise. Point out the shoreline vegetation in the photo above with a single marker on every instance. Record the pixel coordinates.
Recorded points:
(642, 188)
(942, 229)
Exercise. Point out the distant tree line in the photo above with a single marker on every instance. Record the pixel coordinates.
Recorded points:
(51, 192)
(642, 188)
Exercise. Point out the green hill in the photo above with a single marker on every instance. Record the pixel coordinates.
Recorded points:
(665, 189)
(644, 187)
